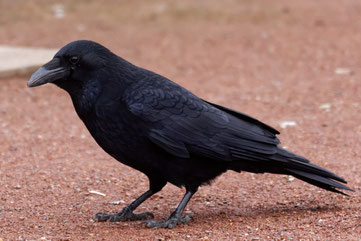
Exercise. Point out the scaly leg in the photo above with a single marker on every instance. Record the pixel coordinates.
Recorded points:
(176, 217)
(127, 213)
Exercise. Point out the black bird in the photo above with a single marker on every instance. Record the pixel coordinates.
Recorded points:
(150, 123)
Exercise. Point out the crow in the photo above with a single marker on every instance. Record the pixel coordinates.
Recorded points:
(159, 128)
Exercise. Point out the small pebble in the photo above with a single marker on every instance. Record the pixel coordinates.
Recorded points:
(325, 107)
(284, 124)
(117, 202)
(291, 178)
(343, 71)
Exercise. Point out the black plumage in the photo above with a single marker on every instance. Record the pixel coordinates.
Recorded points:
(152, 124)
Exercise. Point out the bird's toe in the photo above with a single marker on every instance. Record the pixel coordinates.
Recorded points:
(102, 217)
(169, 223)
(129, 216)
(124, 215)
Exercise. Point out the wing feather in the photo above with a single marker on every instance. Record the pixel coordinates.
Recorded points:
(184, 125)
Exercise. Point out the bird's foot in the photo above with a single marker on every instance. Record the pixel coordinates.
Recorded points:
(171, 222)
(125, 215)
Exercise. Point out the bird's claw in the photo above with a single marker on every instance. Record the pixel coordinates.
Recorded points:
(169, 223)
(124, 215)
(102, 217)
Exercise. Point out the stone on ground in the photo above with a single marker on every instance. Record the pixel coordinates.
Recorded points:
(20, 61)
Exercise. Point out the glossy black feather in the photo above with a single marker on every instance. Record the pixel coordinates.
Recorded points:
(152, 124)
(130, 110)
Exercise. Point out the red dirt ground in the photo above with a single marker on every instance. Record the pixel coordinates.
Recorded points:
(277, 61)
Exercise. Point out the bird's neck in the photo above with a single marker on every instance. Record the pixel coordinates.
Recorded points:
(85, 97)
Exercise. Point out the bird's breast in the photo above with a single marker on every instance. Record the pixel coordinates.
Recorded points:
(118, 135)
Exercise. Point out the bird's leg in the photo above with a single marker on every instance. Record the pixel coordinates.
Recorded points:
(127, 213)
(176, 217)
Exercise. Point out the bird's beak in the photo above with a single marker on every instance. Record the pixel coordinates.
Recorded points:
(48, 73)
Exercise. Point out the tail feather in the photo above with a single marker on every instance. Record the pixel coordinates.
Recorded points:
(320, 185)
(312, 168)
(304, 170)
(318, 180)
(286, 162)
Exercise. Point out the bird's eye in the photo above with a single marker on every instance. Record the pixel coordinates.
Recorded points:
(74, 59)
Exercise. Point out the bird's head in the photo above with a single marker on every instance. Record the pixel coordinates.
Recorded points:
(72, 64)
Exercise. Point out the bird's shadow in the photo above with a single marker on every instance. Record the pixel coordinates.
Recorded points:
(275, 210)
(225, 215)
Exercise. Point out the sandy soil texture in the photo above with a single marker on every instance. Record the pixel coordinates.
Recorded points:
(275, 60)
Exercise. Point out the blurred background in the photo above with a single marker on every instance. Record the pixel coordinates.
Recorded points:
(280, 61)
(220, 38)
(205, 41)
